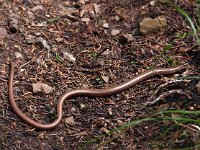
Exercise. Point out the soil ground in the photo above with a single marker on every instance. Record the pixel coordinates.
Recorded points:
(99, 56)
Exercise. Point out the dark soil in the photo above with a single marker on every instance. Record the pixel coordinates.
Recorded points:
(97, 54)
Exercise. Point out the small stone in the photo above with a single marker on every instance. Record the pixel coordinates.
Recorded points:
(191, 108)
(105, 25)
(82, 106)
(152, 3)
(18, 55)
(3, 33)
(149, 25)
(115, 32)
(129, 37)
(117, 18)
(41, 87)
(106, 52)
(105, 78)
(17, 47)
(38, 33)
(69, 121)
(69, 57)
(73, 109)
(59, 40)
(198, 88)
(110, 111)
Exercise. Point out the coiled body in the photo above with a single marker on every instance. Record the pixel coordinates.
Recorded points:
(83, 92)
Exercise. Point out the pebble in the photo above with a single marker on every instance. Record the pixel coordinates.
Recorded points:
(105, 25)
(152, 3)
(110, 111)
(69, 121)
(18, 55)
(73, 109)
(41, 87)
(129, 37)
(149, 25)
(82, 106)
(106, 52)
(117, 18)
(38, 33)
(105, 78)
(69, 57)
(115, 32)
(59, 40)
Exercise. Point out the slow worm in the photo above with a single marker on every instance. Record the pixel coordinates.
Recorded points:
(84, 92)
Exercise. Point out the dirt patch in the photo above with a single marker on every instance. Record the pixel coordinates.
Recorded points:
(43, 33)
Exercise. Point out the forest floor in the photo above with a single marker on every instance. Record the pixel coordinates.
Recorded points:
(78, 44)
